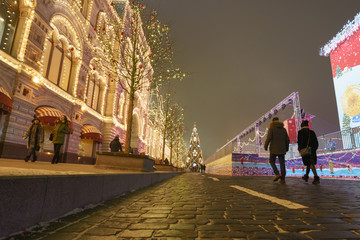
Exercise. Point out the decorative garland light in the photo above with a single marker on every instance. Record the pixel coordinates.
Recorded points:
(345, 33)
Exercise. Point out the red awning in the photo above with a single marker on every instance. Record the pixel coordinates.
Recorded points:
(49, 115)
(5, 101)
(91, 132)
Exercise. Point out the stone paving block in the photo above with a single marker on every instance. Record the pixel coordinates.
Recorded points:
(245, 228)
(158, 211)
(353, 214)
(102, 231)
(213, 228)
(256, 222)
(87, 237)
(269, 228)
(332, 235)
(175, 233)
(265, 217)
(292, 236)
(160, 220)
(149, 226)
(128, 215)
(174, 238)
(114, 224)
(221, 234)
(224, 221)
(182, 226)
(185, 212)
(300, 228)
(262, 235)
(246, 216)
(182, 216)
(341, 227)
(354, 221)
(124, 220)
(195, 221)
(136, 234)
(162, 207)
(321, 220)
(154, 215)
(289, 222)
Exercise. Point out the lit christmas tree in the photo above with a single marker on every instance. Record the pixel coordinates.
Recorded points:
(194, 155)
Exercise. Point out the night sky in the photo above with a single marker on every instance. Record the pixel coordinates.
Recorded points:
(245, 56)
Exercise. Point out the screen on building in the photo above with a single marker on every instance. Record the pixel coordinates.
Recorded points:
(345, 64)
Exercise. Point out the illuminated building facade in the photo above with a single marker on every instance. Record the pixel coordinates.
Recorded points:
(48, 52)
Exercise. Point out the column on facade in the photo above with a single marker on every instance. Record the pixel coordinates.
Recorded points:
(26, 9)
(108, 126)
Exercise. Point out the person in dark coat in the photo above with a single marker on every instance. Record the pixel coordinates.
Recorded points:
(115, 144)
(306, 135)
(278, 139)
(59, 132)
(35, 135)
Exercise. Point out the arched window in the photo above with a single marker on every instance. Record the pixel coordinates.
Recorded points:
(9, 14)
(93, 93)
(57, 63)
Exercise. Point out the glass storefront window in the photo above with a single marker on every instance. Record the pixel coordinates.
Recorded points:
(8, 19)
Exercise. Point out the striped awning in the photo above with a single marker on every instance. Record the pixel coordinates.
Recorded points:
(91, 132)
(5, 101)
(48, 116)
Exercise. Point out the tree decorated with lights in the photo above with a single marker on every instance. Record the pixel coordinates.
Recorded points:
(137, 53)
(175, 128)
(169, 119)
(194, 153)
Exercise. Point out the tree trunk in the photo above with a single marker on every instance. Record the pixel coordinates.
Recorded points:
(163, 148)
(129, 122)
(171, 150)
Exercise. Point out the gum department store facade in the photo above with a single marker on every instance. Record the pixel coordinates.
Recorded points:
(48, 68)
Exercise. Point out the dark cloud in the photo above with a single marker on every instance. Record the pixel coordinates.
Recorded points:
(247, 55)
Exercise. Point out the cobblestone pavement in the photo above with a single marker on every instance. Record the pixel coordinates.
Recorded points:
(202, 206)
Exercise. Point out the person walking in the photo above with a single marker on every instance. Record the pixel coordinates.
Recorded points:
(308, 137)
(35, 135)
(278, 139)
(58, 137)
(115, 144)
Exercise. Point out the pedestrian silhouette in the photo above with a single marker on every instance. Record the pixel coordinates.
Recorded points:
(35, 135)
(115, 144)
(60, 130)
(278, 140)
(307, 137)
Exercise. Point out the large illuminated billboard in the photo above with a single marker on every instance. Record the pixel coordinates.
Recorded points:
(344, 52)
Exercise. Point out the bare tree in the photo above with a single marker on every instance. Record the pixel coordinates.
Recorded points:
(137, 53)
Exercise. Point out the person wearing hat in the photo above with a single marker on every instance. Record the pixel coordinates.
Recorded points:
(308, 137)
(278, 139)
(35, 135)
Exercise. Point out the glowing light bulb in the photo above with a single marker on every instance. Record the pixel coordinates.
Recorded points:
(36, 79)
